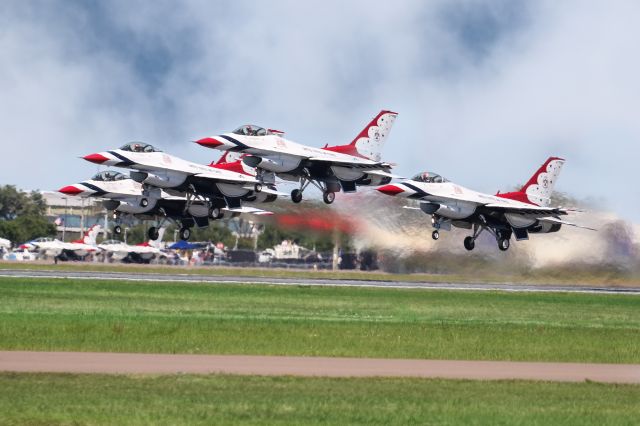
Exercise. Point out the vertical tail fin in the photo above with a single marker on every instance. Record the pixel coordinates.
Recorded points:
(540, 186)
(232, 161)
(228, 157)
(91, 235)
(370, 140)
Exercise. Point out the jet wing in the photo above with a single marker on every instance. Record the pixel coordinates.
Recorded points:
(384, 174)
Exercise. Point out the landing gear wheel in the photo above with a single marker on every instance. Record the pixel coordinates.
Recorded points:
(257, 187)
(117, 229)
(296, 196)
(435, 235)
(469, 243)
(153, 233)
(503, 244)
(328, 197)
(185, 233)
(216, 213)
(144, 202)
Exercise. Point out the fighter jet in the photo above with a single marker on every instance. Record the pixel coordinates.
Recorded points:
(139, 253)
(518, 213)
(75, 249)
(126, 198)
(329, 169)
(156, 169)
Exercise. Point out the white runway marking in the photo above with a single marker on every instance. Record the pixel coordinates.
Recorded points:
(213, 279)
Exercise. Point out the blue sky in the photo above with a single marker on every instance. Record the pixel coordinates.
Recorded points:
(486, 90)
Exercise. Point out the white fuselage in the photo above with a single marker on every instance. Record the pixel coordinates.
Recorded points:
(275, 144)
(167, 171)
(457, 202)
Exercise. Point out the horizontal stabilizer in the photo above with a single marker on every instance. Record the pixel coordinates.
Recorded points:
(564, 222)
(249, 210)
(384, 174)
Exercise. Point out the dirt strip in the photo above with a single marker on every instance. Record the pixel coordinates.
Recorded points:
(124, 363)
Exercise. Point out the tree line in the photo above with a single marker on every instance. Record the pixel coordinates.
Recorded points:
(22, 215)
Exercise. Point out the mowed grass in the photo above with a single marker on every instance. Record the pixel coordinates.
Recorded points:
(120, 316)
(213, 399)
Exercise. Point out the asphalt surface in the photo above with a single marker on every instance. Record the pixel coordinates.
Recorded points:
(125, 363)
(189, 278)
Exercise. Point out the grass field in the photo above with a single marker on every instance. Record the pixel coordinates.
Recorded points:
(576, 275)
(119, 316)
(95, 399)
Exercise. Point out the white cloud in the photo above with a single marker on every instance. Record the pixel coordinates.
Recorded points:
(551, 78)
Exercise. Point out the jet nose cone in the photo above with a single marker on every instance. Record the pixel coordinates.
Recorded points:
(390, 190)
(70, 190)
(96, 158)
(209, 142)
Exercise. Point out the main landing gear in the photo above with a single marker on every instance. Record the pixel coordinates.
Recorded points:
(328, 196)
(435, 235)
(185, 233)
(502, 237)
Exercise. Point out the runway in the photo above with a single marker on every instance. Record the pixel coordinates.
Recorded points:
(126, 363)
(225, 279)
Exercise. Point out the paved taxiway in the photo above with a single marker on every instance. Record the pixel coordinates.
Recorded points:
(190, 278)
(126, 363)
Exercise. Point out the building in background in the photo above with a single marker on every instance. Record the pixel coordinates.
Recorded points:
(72, 215)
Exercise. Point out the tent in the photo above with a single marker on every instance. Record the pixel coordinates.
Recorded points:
(184, 245)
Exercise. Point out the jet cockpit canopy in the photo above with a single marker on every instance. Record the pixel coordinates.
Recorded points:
(109, 176)
(429, 177)
(251, 130)
(139, 147)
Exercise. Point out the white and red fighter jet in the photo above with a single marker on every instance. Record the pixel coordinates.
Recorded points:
(75, 249)
(156, 169)
(329, 169)
(123, 195)
(518, 213)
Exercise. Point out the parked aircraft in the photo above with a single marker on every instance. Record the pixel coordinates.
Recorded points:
(140, 253)
(153, 168)
(520, 213)
(75, 249)
(4, 243)
(329, 169)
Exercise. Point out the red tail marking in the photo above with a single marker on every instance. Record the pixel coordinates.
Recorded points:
(521, 195)
(351, 148)
(365, 132)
